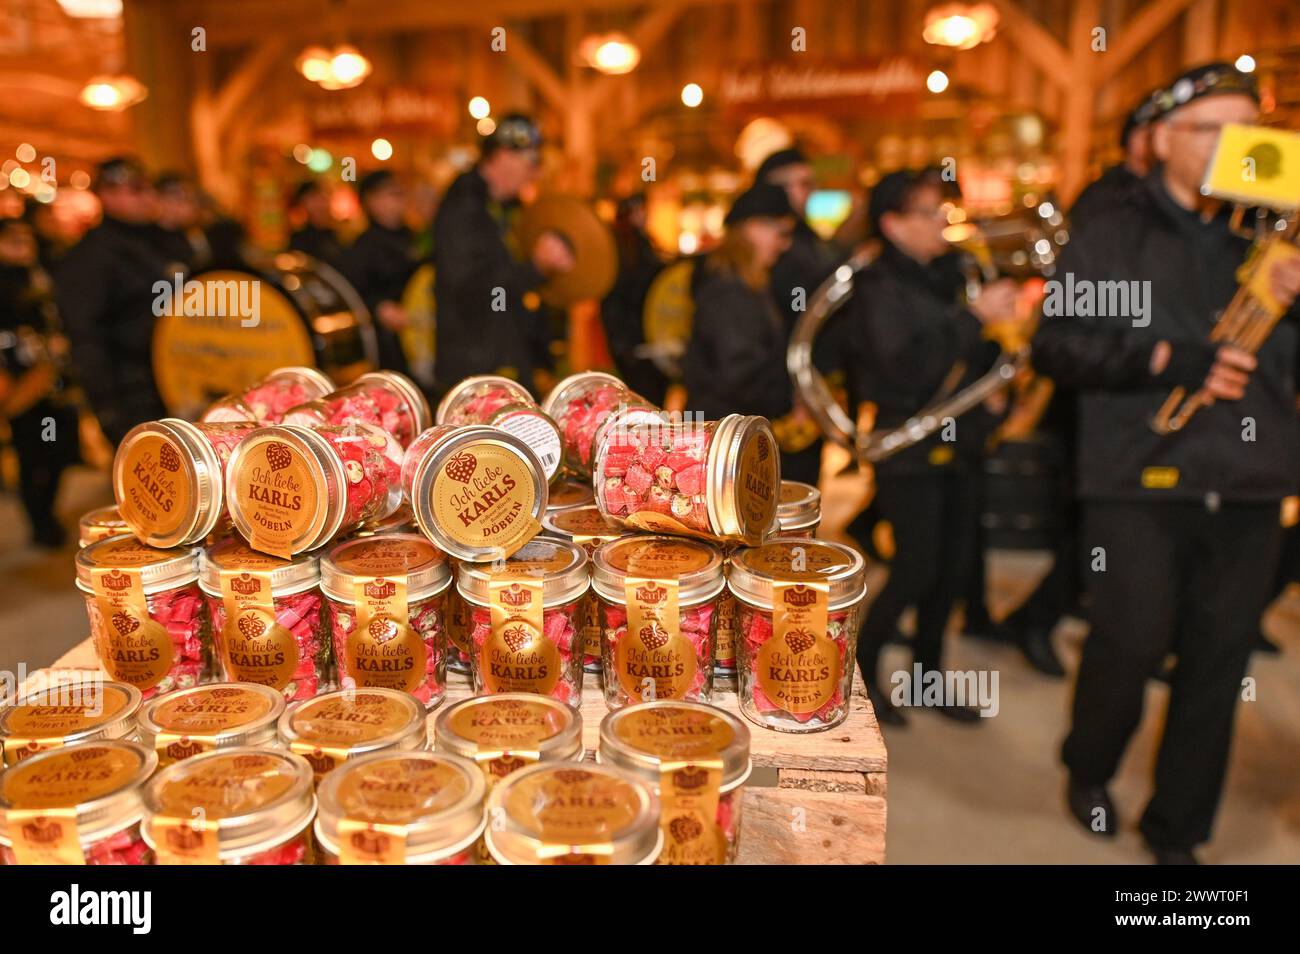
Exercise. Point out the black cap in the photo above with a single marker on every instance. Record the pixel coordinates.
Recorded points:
(894, 190)
(761, 200)
(514, 131)
(120, 170)
(1212, 79)
(792, 156)
(1139, 118)
(372, 181)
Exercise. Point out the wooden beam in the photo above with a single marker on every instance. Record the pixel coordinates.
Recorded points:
(246, 78)
(534, 66)
(1036, 43)
(1143, 27)
(1080, 99)
(647, 34)
(1200, 32)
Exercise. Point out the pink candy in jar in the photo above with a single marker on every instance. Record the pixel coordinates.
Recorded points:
(585, 406)
(267, 401)
(501, 402)
(384, 399)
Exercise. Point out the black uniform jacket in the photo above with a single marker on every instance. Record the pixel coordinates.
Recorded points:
(735, 360)
(105, 290)
(1117, 186)
(622, 312)
(379, 264)
(906, 332)
(807, 263)
(321, 244)
(1190, 265)
(471, 259)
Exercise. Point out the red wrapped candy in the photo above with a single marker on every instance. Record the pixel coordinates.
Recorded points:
(383, 399)
(586, 406)
(267, 401)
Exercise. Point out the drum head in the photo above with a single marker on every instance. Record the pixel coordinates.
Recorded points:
(592, 244)
(669, 308)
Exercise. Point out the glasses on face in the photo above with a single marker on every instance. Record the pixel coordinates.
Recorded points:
(1197, 129)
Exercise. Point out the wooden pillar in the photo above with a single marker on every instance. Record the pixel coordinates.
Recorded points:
(1199, 32)
(158, 54)
(1080, 97)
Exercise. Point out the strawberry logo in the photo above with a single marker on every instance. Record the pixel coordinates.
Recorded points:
(572, 776)
(800, 640)
(278, 455)
(763, 448)
(653, 636)
(168, 459)
(507, 765)
(684, 828)
(516, 638)
(461, 467)
(125, 623)
(379, 628)
(251, 627)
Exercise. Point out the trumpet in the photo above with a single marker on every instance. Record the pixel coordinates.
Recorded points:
(1248, 320)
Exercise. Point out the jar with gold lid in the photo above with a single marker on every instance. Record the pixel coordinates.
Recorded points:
(500, 402)
(798, 510)
(349, 723)
(100, 524)
(557, 814)
(588, 528)
(658, 600)
(267, 401)
(169, 478)
(387, 601)
(241, 806)
(387, 400)
(53, 716)
(459, 625)
(268, 618)
(147, 619)
(569, 493)
(696, 758)
(478, 492)
(506, 732)
(221, 715)
(77, 805)
(402, 808)
(716, 479)
(586, 406)
(524, 615)
(800, 607)
(401, 520)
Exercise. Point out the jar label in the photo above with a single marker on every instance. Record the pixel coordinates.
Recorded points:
(570, 493)
(537, 431)
(368, 843)
(154, 485)
(659, 559)
(517, 656)
(757, 478)
(458, 622)
(794, 562)
(654, 522)
(688, 796)
(343, 720)
(590, 612)
(226, 786)
(382, 649)
(191, 723)
(45, 836)
(254, 646)
(172, 747)
(78, 774)
(575, 813)
(401, 790)
(654, 660)
(189, 840)
(799, 667)
(275, 489)
(484, 497)
(724, 650)
(587, 526)
(132, 646)
(674, 733)
(61, 711)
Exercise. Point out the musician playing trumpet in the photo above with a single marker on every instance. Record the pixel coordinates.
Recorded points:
(1180, 530)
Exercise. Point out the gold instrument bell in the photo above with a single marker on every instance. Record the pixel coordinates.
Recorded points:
(592, 243)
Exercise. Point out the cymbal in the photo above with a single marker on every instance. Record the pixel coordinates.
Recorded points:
(592, 243)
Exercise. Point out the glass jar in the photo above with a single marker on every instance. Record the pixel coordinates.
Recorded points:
(569, 493)
(267, 401)
(148, 622)
(401, 520)
(384, 399)
(798, 511)
(459, 625)
(556, 814)
(241, 806)
(55, 716)
(387, 601)
(696, 758)
(407, 808)
(168, 478)
(292, 489)
(588, 528)
(100, 524)
(800, 605)
(350, 723)
(479, 493)
(268, 618)
(724, 643)
(716, 480)
(524, 617)
(504, 733)
(658, 610)
(477, 398)
(223, 715)
(585, 406)
(77, 805)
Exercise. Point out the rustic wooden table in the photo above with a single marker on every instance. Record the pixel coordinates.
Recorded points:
(814, 798)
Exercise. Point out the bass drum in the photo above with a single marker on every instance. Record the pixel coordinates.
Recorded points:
(225, 330)
(1024, 494)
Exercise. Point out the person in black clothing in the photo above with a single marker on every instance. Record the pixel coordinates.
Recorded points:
(485, 325)
(622, 310)
(1182, 530)
(179, 235)
(381, 261)
(907, 332)
(735, 359)
(106, 298)
(1119, 184)
(315, 234)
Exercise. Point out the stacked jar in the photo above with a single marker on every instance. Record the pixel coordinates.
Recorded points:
(387, 605)
(402, 808)
(500, 402)
(267, 401)
(169, 479)
(268, 618)
(148, 622)
(387, 400)
(800, 607)
(798, 511)
(100, 524)
(525, 620)
(588, 406)
(188, 722)
(62, 715)
(658, 600)
(717, 479)
(240, 806)
(504, 733)
(569, 493)
(350, 723)
(588, 528)
(76, 805)
(696, 758)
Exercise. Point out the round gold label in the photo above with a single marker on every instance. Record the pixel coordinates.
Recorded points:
(350, 718)
(792, 491)
(386, 654)
(518, 658)
(131, 553)
(674, 734)
(659, 559)
(226, 786)
(504, 724)
(210, 711)
(484, 496)
(756, 482)
(136, 651)
(258, 649)
(399, 790)
(275, 487)
(93, 705)
(585, 522)
(81, 773)
(572, 805)
(238, 555)
(801, 671)
(794, 561)
(654, 663)
(381, 556)
(153, 480)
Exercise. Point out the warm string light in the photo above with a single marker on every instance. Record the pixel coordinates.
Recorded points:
(692, 95)
(961, 26)
(113, 93)
(612, 54)
(343, 67)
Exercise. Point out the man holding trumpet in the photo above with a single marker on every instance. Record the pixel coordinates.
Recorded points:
(1181, 528)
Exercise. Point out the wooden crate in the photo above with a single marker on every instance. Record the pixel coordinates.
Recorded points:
(814, 798)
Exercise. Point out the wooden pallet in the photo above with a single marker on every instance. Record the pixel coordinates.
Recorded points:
(814, 798)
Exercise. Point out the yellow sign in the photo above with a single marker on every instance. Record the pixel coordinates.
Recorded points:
(1257, 166)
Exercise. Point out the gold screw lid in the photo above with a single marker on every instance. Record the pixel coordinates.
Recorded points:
(694, 564)
(100, 524)
(386, 555)
(799, 506)
(218, 716)
(560, 564)
(287, 576)
(168, 482)
(798, 560)
(584, 525)
(743, 478)
(642, 738)
(159, 569)
(66, 714)
(354, 721)
(570, 493)
(510, 722)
